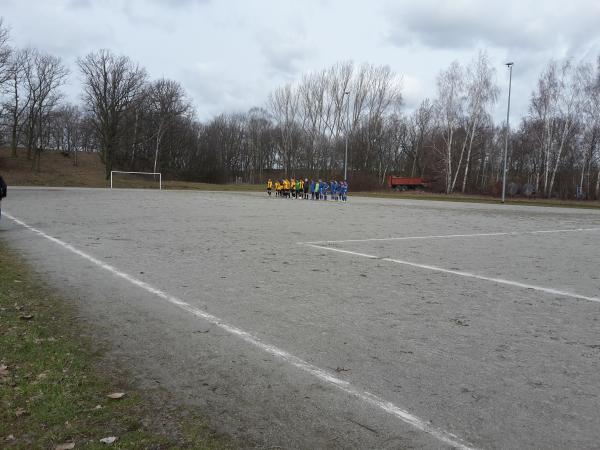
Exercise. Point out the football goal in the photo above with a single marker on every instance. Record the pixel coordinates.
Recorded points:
(141, 180)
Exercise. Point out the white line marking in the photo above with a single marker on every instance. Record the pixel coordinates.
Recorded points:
(369, 398)
(449, 236)
(463, 274)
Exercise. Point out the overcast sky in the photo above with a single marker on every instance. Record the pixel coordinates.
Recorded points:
(229, 54)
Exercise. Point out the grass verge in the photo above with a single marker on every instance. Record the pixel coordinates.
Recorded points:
(53, 387)
(479, 199)
(58, 171)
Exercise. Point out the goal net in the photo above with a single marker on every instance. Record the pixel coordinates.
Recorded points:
(138, 180)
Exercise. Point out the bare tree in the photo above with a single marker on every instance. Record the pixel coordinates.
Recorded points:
(593, 89)
(568, 108)
(543, 106)
(283, 104)
(167, 104)
(482, 92)
(419, 129)
(110, 84)
(66, 125)
(18, 95)
(5, 52)
(339, 79)
(43, 74)
(260, 143)
(449, 109)
(588, 80)
(315, 114)
(383, 97)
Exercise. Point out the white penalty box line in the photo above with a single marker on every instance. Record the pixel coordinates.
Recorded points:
(452, 236)
(322, 375)
(460, 273)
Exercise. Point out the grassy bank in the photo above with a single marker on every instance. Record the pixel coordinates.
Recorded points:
(59, 171)
(54, 389)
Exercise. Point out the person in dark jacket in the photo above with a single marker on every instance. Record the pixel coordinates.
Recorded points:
(2, 192)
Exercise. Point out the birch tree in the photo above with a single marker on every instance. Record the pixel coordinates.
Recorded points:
(569, 100)
(449, 107)
(482, 93)
(543, 108)
(589, 79)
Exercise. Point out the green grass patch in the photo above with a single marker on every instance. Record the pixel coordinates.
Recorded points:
(190, 185)
(53, 388)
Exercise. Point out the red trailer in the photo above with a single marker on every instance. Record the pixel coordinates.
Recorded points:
(405, 183)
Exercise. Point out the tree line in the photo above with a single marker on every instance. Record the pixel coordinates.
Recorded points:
(304, 128)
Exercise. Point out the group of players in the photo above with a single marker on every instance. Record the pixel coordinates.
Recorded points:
(309, 189)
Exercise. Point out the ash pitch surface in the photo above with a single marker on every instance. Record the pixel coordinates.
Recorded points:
(498, 366)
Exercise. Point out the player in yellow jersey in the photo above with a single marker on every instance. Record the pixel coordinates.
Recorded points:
(286, 187)
(269, 186)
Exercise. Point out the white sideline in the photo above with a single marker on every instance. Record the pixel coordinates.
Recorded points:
(462, 274)
(367, 397)
(448, 236)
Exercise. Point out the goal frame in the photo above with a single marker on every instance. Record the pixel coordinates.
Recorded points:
(141, 173)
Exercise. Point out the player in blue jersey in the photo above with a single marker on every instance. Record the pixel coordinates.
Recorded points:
(325, 189)
(344, 191)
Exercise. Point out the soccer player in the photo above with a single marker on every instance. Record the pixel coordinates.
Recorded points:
(344, 191)
(312, 189)
(286, 187)
(324, 188)
(317, 190)
(306, 187)
(3, 190)
(269, 186)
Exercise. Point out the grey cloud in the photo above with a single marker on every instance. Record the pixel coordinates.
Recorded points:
(511, 25)
(180, 3)
(284, 54)
(455, 29)
(79, 4)
(157, 14)
(284, 60)
(254, 47)
(214, 91)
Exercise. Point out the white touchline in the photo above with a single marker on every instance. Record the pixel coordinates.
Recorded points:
(448, 236)
(372, 399)
(462, 274)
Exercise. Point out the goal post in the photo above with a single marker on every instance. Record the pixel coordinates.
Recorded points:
(112, 172)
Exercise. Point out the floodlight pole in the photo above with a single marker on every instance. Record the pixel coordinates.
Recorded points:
(347, 133)
(510, 66)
